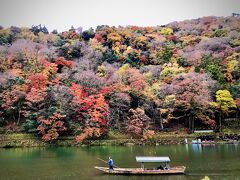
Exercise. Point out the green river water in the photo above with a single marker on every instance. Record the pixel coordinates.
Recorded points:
(217, 162)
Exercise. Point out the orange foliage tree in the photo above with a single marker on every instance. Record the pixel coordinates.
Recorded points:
(91, 112)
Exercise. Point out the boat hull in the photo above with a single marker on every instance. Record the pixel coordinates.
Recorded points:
(140, 171)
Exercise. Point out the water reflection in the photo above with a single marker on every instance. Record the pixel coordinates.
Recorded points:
(197, 148)
(218, 162)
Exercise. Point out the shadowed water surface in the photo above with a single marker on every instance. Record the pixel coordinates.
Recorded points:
(220, 162)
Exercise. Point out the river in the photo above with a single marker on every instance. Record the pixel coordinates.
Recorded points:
(220, 162)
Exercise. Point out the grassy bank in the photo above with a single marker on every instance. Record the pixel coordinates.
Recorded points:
(114, 138)
(30, 140)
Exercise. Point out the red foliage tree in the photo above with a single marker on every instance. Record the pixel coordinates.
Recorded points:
(37, 81)
(137, 122)
(98, 37)
(90, 111)
(61, 61)
(52, 126)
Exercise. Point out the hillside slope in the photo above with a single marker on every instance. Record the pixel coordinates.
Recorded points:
(133, 79)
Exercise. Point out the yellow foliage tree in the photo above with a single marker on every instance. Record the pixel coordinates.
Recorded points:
(224, 102)
(166, 31)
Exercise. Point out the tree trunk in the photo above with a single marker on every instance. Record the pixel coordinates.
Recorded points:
(118, 124)
(192, 124)
(19, 114)
(237, 116)
(189, 122)
(161, 123)
(185, 119)
(220, 121)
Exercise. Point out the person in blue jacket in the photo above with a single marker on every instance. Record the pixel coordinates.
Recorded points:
(110, 163)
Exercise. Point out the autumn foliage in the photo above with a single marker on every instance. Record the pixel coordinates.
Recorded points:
(91, 111)
(133, 79)
(51, 127)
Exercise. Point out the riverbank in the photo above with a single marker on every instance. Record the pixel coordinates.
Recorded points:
(30, 140)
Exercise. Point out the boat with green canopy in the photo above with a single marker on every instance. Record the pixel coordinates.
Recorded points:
(163, 168)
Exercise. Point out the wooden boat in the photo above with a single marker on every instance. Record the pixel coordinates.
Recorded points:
(166, 169)
(174, 170)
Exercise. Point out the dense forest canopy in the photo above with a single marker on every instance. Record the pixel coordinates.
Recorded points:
(133, 79)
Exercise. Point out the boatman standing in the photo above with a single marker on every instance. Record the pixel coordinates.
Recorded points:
(110, 163)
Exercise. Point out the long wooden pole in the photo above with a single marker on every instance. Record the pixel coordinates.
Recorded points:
(107, 162)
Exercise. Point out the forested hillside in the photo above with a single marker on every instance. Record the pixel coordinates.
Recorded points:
(135, 80)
